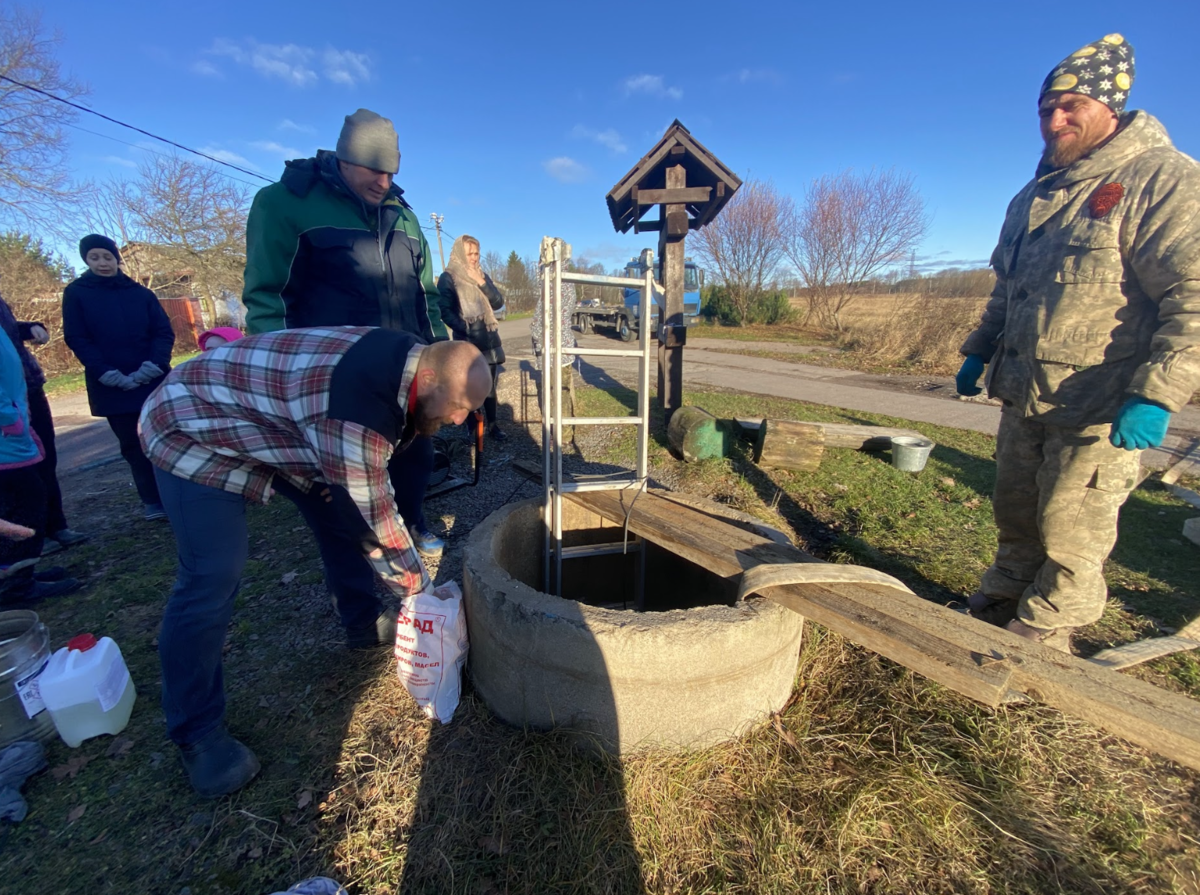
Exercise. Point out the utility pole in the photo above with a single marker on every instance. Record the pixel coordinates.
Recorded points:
(437, 223)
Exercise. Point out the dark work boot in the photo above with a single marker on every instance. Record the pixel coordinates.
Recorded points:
(380, 633)
(67, 537)
(31, 591)
(50, 575)
(1055, 638)
(218, 764)
(994, 612)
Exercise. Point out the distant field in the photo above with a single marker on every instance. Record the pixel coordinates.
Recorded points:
(879, 308)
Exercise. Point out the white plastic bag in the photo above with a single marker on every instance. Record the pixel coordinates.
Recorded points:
(431, 647)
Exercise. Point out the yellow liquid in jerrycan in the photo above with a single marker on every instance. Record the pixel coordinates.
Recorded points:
(85, 720)
(87, 689)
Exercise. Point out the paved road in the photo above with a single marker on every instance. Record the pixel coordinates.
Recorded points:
(84, 441)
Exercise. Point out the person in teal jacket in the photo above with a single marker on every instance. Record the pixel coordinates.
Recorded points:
(333, 243)
(22, 495)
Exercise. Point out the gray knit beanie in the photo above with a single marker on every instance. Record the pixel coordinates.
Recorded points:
(369, 140)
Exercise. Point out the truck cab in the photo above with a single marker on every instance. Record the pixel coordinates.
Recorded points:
(693, 280)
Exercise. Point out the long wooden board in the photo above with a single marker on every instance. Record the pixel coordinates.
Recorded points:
(1189, 463)
(842, 435)
(983, 662)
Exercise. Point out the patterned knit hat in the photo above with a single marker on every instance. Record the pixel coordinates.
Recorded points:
(1102, 70)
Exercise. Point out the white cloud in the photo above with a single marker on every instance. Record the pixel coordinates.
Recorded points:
(652, 85)
(288, 125)
(566, 170)
(119, 160)
(608, 138)
(755, 75)
(206, 68)
(225, 155)
(346, 67)
(273, 148)
(294, 64)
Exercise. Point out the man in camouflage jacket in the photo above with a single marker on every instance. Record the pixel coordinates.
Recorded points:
(1091, 338)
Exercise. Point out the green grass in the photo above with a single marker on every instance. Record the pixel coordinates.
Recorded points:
(870, 780)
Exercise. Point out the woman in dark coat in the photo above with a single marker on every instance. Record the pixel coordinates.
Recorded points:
(468, 299)
(123, 338)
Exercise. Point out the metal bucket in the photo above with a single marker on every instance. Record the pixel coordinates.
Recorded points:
(910, 453)
(24, 652)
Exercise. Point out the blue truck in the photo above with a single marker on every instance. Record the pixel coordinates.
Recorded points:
(693, 280)
(624, 317)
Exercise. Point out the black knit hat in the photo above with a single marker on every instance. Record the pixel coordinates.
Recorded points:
(96, 241)
(1102, 70)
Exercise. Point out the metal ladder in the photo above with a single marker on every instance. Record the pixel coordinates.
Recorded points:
(554, 254)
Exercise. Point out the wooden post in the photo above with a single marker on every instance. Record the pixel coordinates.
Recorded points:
(671, 323)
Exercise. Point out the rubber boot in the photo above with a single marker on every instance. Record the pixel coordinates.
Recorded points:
(217, 764)
(381, 633)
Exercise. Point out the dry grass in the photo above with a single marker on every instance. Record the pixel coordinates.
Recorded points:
(871, 779)
(910, 331)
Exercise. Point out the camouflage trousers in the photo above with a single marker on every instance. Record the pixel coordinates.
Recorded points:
(1058, 493)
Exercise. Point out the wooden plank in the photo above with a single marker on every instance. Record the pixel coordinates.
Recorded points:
(786, 444)
(843, 435)
(1187, 495)
(1188, 464)
(678, 195)
(981, 661)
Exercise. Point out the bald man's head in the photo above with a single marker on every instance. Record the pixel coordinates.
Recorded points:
(452, 380)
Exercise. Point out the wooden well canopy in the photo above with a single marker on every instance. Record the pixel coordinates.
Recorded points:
(709, 185)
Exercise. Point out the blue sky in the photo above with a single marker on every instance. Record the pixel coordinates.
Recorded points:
(516, 119)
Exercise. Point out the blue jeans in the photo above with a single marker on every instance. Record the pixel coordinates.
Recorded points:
(211, 538)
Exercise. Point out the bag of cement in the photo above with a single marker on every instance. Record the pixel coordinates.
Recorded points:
(431, 648)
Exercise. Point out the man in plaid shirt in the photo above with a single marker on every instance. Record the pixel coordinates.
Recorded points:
(313, 415)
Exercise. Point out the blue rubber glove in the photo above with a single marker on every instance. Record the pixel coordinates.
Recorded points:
(967, 380)
(1140, 424)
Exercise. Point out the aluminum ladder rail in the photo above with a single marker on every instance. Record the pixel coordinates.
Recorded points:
(553, 421)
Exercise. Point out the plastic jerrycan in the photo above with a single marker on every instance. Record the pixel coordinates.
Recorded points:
(87, 689)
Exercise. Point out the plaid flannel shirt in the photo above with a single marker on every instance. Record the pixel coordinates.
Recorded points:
(236, 417)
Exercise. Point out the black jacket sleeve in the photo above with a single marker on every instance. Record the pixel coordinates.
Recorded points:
(77, 335)
(494, 296)
(451, 312)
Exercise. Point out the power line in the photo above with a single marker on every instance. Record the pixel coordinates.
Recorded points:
(142, 148)
(67, 102)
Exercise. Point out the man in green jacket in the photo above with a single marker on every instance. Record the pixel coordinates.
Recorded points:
(1091, 339)
(333, 243)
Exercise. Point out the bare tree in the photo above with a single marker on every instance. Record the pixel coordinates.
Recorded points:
(849, 227)
(186, 222)
(493, 265)
(34, 180)
(744, 245)
(32, 280)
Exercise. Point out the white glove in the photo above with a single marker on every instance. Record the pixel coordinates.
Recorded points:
(117, 379)
(147, 372)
